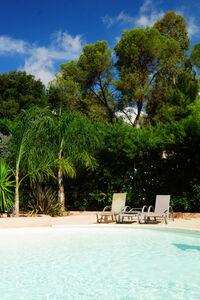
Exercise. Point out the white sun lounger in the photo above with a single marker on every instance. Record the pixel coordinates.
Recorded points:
(131, 213)
(118, 204)
(162, 208)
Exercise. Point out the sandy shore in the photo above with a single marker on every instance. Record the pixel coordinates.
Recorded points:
(185, 222)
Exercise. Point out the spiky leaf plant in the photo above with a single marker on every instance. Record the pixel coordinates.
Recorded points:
(44, 201)
(6, 185)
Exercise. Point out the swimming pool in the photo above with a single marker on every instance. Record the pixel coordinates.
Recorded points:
(99, 263)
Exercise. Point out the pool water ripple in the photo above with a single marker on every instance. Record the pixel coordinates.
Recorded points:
(99, 263)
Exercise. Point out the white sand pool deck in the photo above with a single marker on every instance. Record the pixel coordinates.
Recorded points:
(89, 218)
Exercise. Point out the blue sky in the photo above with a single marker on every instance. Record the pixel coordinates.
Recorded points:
(38, 35)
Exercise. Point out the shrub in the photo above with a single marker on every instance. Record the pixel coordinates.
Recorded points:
(6, 185)
(44, 201)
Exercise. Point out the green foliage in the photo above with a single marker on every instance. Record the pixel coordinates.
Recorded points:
(195, 56)
(95, 200)
(102, 197)
(189, 200)
(172, 102)
(6, 187)
(86, 82)
(174, 26)
(142, 55)
(57, 97)
(4, 145)
(44, 201)
(18, 91)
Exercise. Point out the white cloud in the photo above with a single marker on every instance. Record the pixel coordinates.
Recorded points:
(9, 45)
(147, 16)
(40, 61)
(146, 5)
(108, 21)
(193, 29)
(124, 18)
(40, 64)
(121, 19)
(67, 42)
(148, 20)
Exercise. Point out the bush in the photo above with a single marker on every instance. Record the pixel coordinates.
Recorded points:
(190, 200)
(6, 185)
(44, 201)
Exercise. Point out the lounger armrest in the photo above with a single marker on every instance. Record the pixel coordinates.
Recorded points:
(106, 208)
(126, 209)
(122, 210)
(143, 209)
(136, 209)
(150, 207)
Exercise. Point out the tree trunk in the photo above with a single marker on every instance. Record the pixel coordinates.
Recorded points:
(17, 193)
(174, 78)
(138, 113)
(61, 190)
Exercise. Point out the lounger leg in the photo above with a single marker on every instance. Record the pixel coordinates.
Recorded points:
(97, 218)
(147, 219)
(139, 219)
(166, 219)
(172, 212)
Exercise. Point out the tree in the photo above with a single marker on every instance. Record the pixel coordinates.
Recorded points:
(62, 144)
(172, 103)
(87, 81)
(24, 153)
(142, 54)
(195, 56)
(18, 91)
(75, 140)
(174, 26)
(63, 95)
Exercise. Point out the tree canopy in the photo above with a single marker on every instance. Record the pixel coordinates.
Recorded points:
(18, 91)
(174, 26)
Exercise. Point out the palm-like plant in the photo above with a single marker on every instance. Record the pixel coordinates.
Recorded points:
(76, 141)
(23, 147)
(6, 185)
(69, 139)
(44, 143)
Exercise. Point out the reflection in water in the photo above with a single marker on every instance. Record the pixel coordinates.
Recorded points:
(185, 247)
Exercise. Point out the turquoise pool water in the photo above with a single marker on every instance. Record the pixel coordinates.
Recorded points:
(99, 263)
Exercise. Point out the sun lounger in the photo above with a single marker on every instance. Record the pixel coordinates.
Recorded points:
(161, 210)
(131, 213)
(118, 204)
